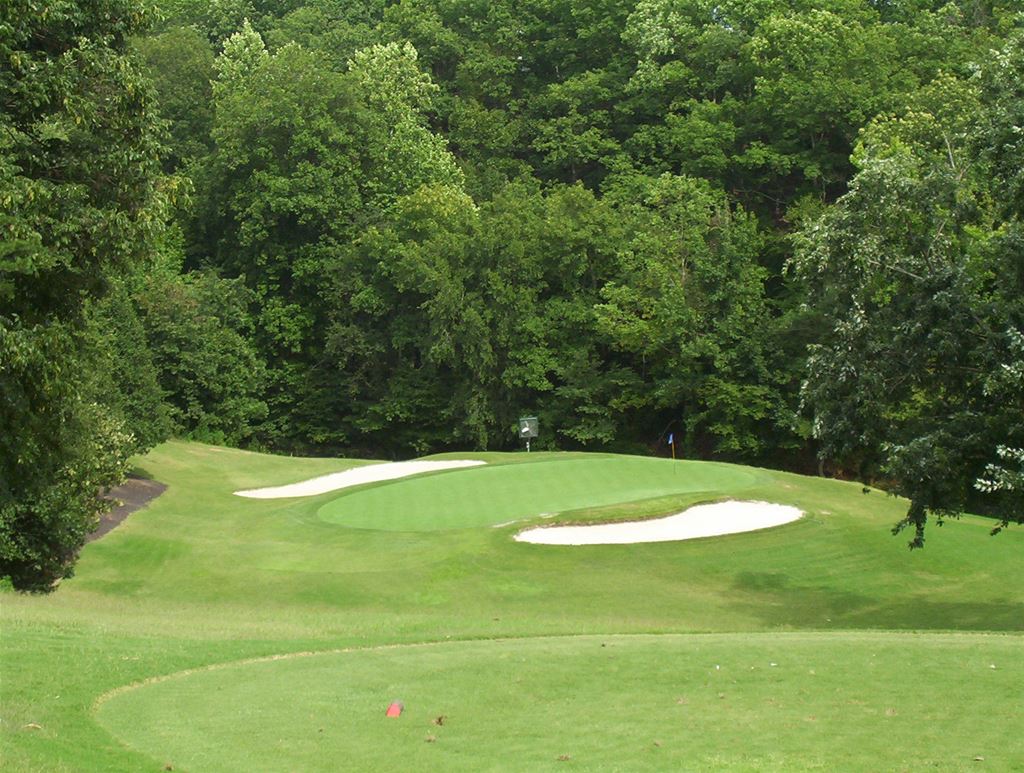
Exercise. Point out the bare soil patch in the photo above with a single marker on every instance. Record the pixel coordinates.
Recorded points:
(134, 494)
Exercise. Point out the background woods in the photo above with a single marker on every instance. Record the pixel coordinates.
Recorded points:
(784, 229)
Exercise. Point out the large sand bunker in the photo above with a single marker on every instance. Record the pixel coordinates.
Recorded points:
(371, 473)
(710, 520)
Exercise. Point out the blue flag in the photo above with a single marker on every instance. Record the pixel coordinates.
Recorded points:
(670, 438)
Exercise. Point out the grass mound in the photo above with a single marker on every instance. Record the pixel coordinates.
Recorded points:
(484, 496)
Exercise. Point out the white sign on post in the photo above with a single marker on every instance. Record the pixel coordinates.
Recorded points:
(528, 428)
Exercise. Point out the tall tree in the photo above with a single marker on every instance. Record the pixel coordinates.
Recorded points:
(198, 328)
(400, 152)
(687, 311)
(916, 274)
(402, 345)
(276, 197)
(305, 160)
(179, 62)
(82, 201)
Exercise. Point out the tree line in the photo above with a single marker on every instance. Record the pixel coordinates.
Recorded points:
(789, 231)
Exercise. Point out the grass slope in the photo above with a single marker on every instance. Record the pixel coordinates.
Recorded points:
(203, 578)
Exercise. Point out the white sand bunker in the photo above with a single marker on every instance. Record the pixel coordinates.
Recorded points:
(711, 520)
(371, 473)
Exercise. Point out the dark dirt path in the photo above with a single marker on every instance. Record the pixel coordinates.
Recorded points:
(133, 494)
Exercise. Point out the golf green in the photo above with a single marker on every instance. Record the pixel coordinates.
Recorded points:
(483, 496)
(851, 701)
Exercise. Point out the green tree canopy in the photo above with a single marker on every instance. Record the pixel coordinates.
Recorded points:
(81, 202)
(918, 280)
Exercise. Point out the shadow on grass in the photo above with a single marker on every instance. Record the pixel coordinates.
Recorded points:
(138, 471)
(772, 598)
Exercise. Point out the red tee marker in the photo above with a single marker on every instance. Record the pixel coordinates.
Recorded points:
(394, 710)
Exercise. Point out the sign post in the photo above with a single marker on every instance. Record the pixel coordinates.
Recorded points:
(529, 427)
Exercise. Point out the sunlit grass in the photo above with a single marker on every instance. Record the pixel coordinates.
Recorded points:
(203, 577)
(755, 701)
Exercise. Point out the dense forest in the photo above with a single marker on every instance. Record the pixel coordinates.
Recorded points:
(790, 233)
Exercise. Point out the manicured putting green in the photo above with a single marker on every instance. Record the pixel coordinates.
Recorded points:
(676, 702)
(483, 496)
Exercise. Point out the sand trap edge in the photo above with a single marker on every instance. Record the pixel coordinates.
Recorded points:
(356, 476)
(709, 520)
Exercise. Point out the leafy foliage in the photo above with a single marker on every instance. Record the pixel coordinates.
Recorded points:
(179, 63)
(406, 224)
(908, 269)
(128, 381)
(1006, 476)
(687, 301)
(82, 202)
(59, 449)
(198, 328)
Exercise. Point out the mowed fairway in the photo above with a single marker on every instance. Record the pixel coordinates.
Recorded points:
(212, 632)
(484, 496)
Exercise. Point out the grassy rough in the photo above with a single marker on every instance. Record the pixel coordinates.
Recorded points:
(202, 578)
